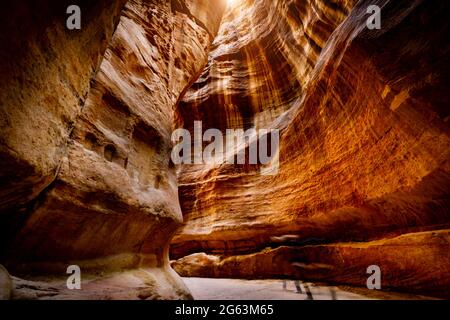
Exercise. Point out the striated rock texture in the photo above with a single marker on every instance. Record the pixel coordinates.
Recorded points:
(364, 158)
(85, 140)
(260, 63)
(101, 145)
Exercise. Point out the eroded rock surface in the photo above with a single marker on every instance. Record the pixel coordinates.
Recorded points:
(365, 148)
(45, 74)
(113, 204)
(86, 119)
(404, 262)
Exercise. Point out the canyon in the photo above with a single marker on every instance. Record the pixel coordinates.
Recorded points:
(87, 118)
(364, 147)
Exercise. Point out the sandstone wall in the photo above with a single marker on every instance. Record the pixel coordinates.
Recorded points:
(113, 204)
(261, 61)
(364, 144)
(45, 74)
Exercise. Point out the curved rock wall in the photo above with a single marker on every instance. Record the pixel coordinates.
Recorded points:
(114, 202)
(364, 153)
(260, 62)
(45, 74)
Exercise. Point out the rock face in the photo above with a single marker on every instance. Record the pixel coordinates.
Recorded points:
(364, 157)
(95, 162)
(404, 262)
(260, 63)
(44, 79)
(5, 284)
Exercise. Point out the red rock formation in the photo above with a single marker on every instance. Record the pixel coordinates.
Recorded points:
(364, 153)
(114, 203)
(85, 140)
(260, 63)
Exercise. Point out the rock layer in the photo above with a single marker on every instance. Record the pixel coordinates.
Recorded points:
(364, 153)
(342, 263)
(113, 204)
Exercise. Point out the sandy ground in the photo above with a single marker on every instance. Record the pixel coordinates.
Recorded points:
(235, 289)
(127, 285)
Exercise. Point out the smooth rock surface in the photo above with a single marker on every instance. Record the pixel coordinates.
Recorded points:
(135, 284)
(5, 284)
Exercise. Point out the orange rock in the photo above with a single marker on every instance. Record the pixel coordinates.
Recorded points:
(113, 204)
(365, 144)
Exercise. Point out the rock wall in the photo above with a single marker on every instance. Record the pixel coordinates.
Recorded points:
(45, 74)
(5, 284)
(260, 62)
(364, 156)
(110, 201)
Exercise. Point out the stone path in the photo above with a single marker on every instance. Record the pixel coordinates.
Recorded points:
(236, 289)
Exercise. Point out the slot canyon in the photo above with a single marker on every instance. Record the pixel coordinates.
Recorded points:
(86, 136)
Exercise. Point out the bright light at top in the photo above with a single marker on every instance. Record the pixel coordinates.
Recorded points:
(232, 2)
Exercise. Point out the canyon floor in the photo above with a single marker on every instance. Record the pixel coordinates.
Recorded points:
(236, 289)
(126, 286)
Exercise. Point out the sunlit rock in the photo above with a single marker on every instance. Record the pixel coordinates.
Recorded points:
(364, 150)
